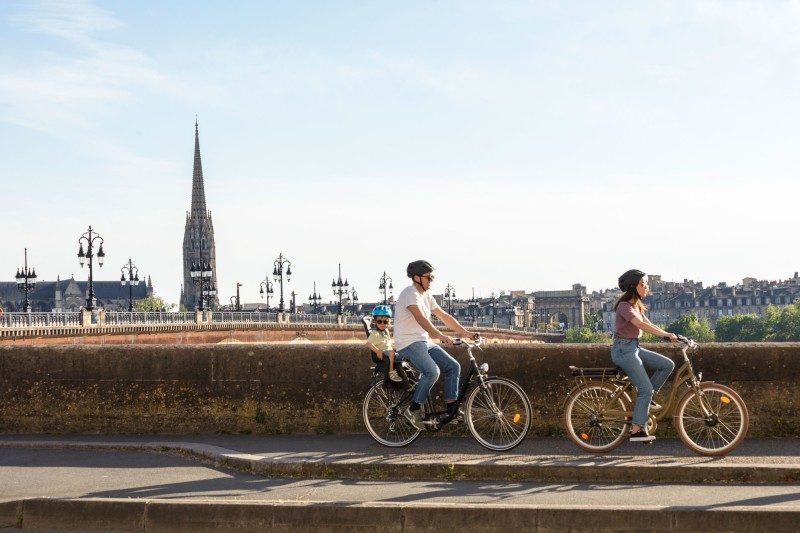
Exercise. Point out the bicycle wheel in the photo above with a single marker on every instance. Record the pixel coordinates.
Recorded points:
(594, 419)
(498, 414)
(722, 430)
(384, 419)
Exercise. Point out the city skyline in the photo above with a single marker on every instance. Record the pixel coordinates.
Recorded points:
(516, 147)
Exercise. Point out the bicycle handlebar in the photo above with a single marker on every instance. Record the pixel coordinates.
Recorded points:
(478, 340)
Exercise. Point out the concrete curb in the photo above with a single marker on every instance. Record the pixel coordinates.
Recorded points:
(498, 470)
(201, 517)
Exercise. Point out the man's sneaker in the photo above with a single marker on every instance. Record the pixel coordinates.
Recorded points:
(459, 416)
(394, 376)
(654, 406)
(642, 436)
(415, 417)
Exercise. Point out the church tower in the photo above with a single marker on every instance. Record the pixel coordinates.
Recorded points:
(198, 237)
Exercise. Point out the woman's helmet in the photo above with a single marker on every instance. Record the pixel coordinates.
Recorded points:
(418, 268)
(382, 310)
(630, 279)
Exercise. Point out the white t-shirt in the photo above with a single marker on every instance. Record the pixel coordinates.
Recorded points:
(406, 328)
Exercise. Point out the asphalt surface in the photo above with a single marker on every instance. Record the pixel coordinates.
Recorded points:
(446, 458)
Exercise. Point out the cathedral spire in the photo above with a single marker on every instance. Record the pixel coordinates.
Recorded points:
(198, 189)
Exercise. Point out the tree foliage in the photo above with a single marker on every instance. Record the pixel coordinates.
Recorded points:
(690, 326)
(152, 303)
(585, 335)
(740, 328)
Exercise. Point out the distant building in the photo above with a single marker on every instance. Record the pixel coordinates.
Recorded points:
(668, 301)
(70, 295)
(198, 235)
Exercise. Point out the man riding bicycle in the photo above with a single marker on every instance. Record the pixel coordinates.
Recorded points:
(413, 331)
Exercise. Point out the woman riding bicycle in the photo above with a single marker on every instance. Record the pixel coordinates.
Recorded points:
(633, 359)
(413, 330)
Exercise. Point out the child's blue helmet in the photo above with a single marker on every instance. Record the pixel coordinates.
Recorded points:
(382, 310)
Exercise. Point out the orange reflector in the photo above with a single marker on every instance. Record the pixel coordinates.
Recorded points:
(725, 399)
(584, 436)
(516, 418)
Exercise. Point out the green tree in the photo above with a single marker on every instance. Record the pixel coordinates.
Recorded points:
(151, 303)
(689, 326)
(741, 328)
(585, 335)
(784, 325)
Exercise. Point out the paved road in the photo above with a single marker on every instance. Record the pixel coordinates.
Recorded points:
(431, 472)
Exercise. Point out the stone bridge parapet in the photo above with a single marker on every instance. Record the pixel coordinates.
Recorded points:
(318, 388)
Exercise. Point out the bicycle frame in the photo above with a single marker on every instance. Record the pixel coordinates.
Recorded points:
(441, 418)
(624, 386)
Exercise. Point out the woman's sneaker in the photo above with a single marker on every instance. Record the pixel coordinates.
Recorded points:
(642, 436)
(394, 376)
(654, 406)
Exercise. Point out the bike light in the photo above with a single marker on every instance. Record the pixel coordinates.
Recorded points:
(485, 368)
(584, 436)
(725, 399)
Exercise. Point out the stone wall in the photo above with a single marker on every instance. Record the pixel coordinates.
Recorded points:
(313, 388)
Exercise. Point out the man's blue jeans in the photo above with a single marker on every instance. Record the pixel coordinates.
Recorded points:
(635, 361)
(429, 358)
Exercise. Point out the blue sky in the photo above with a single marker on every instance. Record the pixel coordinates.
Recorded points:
(515, 145)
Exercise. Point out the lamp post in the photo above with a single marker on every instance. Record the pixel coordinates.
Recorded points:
(383, 287)
(340, 289)
(473, 304)
(266, 288)
(449, 294)
(131, 280)
(26, 282)
(494, 306)
(90, 237)
(201, 273)
(277, 274)
(314, 298)
(238, 300)
(354, 300)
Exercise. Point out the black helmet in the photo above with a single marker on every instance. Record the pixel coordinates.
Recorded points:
(418, 268)
(630, 279)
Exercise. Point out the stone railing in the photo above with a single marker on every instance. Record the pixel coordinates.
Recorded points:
(100, 322)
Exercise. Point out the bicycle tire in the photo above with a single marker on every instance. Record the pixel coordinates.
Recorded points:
(386, 424)
(586, 422)
(505, 427)
(716, 435)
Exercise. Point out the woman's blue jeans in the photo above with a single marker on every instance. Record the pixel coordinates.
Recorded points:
(429, 358)
(636, 361)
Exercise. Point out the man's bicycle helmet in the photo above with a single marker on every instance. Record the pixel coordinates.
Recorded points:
(630, 279)
(418, 268)
(382, 310)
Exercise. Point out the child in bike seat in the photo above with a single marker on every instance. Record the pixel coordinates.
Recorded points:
(380, 341)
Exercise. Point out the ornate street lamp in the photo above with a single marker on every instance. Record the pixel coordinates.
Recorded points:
(354, 300)
(277, 274)
(26, 282)
(314, 298)
(385, 283)
(494, 305)
(201, 275)
(449, 294)
(90, 237)
(473, 304)
(131, 280)
(340, 289)
(266, 288)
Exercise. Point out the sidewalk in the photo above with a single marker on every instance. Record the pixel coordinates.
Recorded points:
(452, 458)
